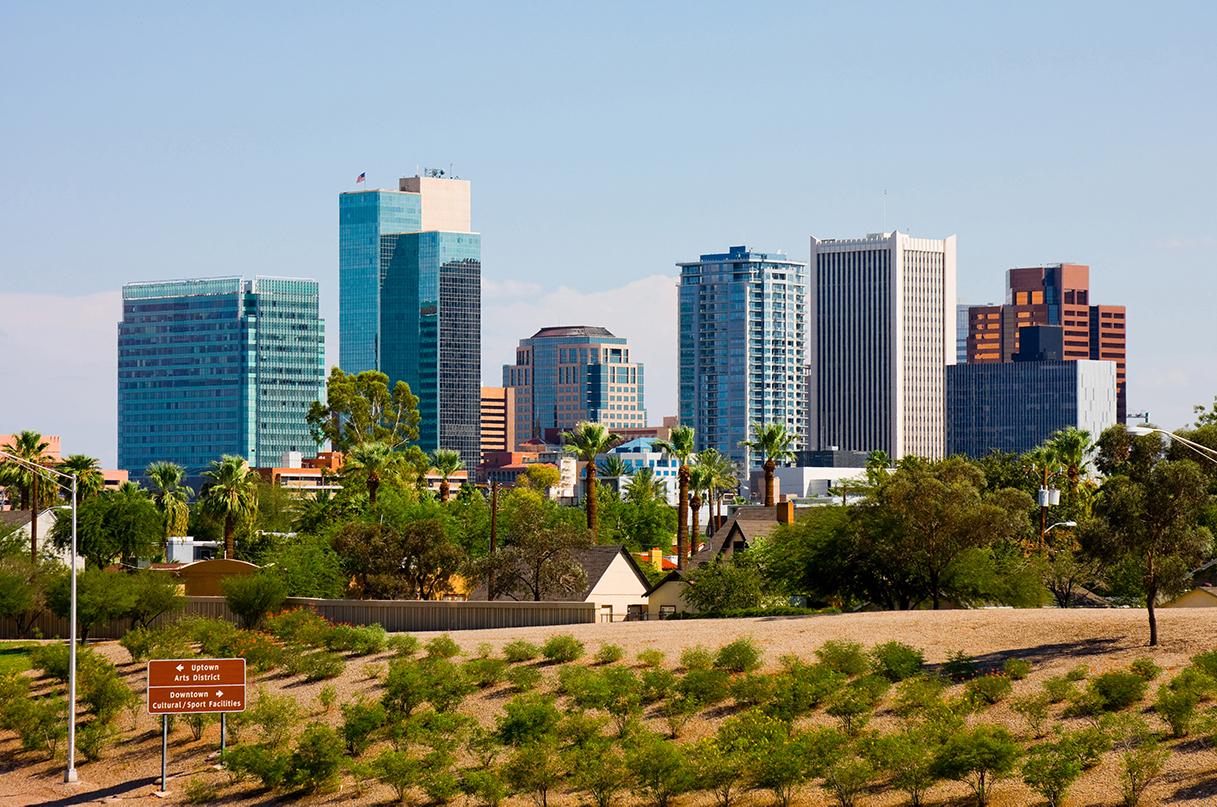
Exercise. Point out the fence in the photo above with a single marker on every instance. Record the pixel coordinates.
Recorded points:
(394, 615)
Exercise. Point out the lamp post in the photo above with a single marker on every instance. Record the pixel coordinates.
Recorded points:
(69, 775)
(1199, 448)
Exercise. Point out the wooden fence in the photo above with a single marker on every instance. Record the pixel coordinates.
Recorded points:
(394, 615)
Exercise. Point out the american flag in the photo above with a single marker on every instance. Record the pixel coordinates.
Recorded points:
(361, 177)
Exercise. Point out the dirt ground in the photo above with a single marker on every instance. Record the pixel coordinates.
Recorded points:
(1053, 641)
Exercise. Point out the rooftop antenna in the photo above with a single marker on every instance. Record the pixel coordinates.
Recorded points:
(885, 210)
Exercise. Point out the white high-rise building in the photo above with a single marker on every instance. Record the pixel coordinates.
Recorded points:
(882, 331)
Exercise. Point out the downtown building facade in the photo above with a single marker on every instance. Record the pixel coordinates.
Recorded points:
(882, 329)
(1056, 295)
(742, 348)
(217, 366)
(410, 301)
(571, 373)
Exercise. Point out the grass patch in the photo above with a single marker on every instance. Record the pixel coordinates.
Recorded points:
(15, 656)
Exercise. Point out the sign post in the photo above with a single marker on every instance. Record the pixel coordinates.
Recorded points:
(194, 686)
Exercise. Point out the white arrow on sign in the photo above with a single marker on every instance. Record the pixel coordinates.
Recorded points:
(219, 693)
(180, 668)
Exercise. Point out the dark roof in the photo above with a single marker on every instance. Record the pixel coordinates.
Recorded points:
(747, 523)
(572, 330)
(14, 518)
(595, 561)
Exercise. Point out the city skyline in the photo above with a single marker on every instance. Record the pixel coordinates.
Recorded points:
(252, 147)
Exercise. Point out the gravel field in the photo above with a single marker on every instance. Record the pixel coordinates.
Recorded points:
(1052, 640)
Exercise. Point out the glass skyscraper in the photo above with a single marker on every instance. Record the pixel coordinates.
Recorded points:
(742, 348)
(217, 366)
(410, 301)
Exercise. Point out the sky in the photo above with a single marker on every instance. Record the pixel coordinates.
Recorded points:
(604, 143)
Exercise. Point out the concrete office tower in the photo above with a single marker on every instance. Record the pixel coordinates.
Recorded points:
(571, 373)
(217, 366)
(410, 301)
(498, 420)
(961, 332)
(882, 328)
(1059, 295)
(742, 348)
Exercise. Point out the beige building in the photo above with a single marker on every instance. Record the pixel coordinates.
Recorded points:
(447, 203)
(1201, 597)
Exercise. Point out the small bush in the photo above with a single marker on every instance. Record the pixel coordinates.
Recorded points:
(753, 689)
(41, 723)
(1145, 668)
(677, 711)
(1139, 768)
(847, 658)
(402, 645)
(853, 707)
(103, 691)
(1016, 669)
(276, 716)
(562, 648)
(198, 723)
(1117, 690)
(1077, 673)
(988, 689)
(1050, 770)
(373, 671)
(251, 597)
(705, 686)
(918, 694)
(896, 661)
(199, 791)
(155, 643)
(1087, 745)
(519, 651)
(360, 722)
(486, 672)
(523, 679)
(655, 684)
(298, 626)
(318, 665)
(315, 763)
(363, 640)
(1034, 710)
(960, 666)
(53, 659)
(651, 658)
(1178, 708)
(660, 767)
(848, 778)
(739, 656)
(327, 697)
(399, 771)
(609, 654)
(262, 762)
(94, 737)
(527, 719)
(443, 646)
(215, 637)
(696, 658)
(486, 786)
(1059, 689)
(261, 652)
(979, 756)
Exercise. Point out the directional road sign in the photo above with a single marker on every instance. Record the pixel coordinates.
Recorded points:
(194, 685)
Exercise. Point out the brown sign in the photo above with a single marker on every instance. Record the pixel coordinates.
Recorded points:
(193, 685)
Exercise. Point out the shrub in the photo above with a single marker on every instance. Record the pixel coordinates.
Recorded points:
(660, 768)
(402, 645)
(318, 665)
(1016, 669)
(486, 785)
(1034, 710)
(360, 722)
(486, 672)
(199, 791)
(979, 756)
(198, 723)
(520, 651)
(696, 658)
(523, 679)
(1139, 767)
(536, 770)
(739, 656)
(94, 737)
(266, 764)
(562, 648)
(214, 636)
(988, 689)
(655, 684)
(908, 758)
(1117, 690)
(153, 594)
(315, 763)
(447, 685)
(609, 654)
(41, 723)
(848, 778)
(677, 711)
(298, 626)
(960, 666)
(261, 652)
(800, 688)
(103, 691)
(601, 773)
(1077, 673)
(438, 782)
(918, 694)
(852, 706)
(1050, 770)
(443, 646)
(1177, 707)
(252, 597)
(1059, 688)
(373, 671)
(705, 686)
(399, 771)
(1087, 745)
(276, 716)
(53, 659)
(154, 643)
(896, 661)
(1145, 668)
(527, 719)
(651, 658)
(847, 658)
(327, 697)
(753, 689)
(360, 641)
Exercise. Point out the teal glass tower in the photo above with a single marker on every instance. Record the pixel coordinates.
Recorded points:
(410, 280)
(217, 366)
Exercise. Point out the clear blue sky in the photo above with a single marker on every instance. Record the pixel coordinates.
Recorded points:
(165, 140)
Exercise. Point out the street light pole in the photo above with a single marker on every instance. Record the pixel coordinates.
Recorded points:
(1199, 448)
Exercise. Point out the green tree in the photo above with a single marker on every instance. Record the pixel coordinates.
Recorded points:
(360, 408)
(614, 466)
(587, 441)
(773, 442)
(725, 585)
(540, 476)
(680, 446)
(538, 559)
(101, 596)
(372, 464)
(171, 496)
(645, 487)
(230, 495)
(24, 589)
(700, 479)
(122, 524)
(979, 756)
(722, 478)
(446, 461)
(1072, 448)
(32, 490)
(87, 470)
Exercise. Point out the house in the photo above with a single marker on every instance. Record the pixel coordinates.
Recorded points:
(1200, 597)
(742, 529)
(19, 520)
(615, 583)
(203, 577)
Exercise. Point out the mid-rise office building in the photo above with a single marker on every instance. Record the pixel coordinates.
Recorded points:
(217, 366)
(1057, 295)
(498, 420)
(410, 301)
(882, 328)
(742, 348)
(571, 373)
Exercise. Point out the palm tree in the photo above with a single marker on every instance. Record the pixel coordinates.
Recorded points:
(447, 461)
(699, 480)
(1072, 447)
(33, 490)
(722, 478)
(231, 494)
(588, 441)
(87, 470)
(775, 444)
(679, 445)
(374, 463)
(644, 487)
(171, 496)
(614, 466)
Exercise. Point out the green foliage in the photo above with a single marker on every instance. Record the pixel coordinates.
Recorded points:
(112, 526)
(409, 684)
(94, 737)
(1059, 688)
(609, 654)
(753, 689)
(1016, 669)
(696, 658)
(979, 756)
(156, 643)
(399, 771)
(600, 771)
(518, 651)
(443, 646)
(536, 770)
(318, 665)
(1145, 668)
(1139, 767)
(739, 656)
(987, 690)
(198, 723)
(960, 666)
(200, 791)
(528, 719)
(1177, 706)
(307, 567)
(1077, 673)
(275, 717)
(1116, 690)
(102, 691)
(896, 661)
(523, 679)
(908, 757)
(298, 626)
(361, 720)
(848, 778)
(1034, 710)
(847, 658)
(485, 785)
(252, 597)
(655, 684)
(854, 703)
(402, 645)
(317, 759)
(562, 648)
(153, 594)
(363, 640)
(101, 597)
(41, 723)
(53, 659)
(266, 763)
(660, 768)
(1050, 770)
(486, 672)
(360, 408)
(918, 694)
(800, 688)
(704, 686)
(651, 657)
(725, 585)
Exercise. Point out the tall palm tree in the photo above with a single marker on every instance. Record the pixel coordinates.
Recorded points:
(1072, 447)
(588, 441)
(373, 463)
(87, 470)
(699, 480)
(447, 461)
(722, 478)
(775, 444)
(33, 490)
(614, 466)
(644, 487)
(680, 446)
(171, 496)
(231, 494)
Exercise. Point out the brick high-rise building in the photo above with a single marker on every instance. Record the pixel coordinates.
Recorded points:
(498, 419)
(1054, 294)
